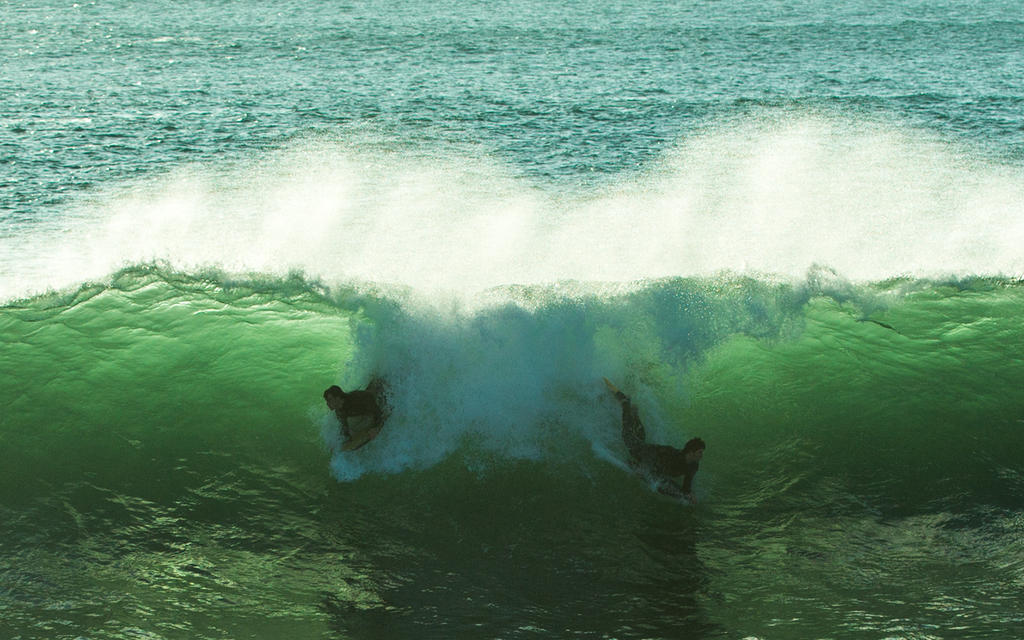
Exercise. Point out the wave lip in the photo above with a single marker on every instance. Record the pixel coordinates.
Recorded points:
(771, 196)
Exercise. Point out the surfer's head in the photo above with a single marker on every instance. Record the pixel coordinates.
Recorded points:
(694, 449)
(334, 396)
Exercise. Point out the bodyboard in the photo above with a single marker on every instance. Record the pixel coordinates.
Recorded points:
(359, 439)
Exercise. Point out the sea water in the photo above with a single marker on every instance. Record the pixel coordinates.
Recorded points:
(793, 229)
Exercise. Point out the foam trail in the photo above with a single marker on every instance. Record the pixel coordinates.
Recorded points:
(763, 197)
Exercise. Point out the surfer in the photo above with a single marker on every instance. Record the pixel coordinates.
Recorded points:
(663, 462)
(362, 402)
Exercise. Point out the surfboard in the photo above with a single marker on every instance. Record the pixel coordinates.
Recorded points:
(359, 439)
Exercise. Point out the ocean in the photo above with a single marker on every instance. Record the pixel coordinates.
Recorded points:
(791, 228)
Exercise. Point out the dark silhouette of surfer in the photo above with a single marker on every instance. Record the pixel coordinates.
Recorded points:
(661, 461)
(362, 402)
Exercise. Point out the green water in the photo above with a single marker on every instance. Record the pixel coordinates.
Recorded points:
(861, 477)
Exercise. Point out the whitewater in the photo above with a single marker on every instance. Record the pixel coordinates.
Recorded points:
(776, 197)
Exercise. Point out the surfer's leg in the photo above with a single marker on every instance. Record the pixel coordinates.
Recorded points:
(633, 434)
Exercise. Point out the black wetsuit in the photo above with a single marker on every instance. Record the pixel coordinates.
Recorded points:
(366, 402)
(659, 460)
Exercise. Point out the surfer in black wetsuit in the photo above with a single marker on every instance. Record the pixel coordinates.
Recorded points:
(363, 402)
(659, 460)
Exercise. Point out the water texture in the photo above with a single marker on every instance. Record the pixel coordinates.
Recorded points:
(792, 229)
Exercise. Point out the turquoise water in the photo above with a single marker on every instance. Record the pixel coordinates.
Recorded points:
(792, 229)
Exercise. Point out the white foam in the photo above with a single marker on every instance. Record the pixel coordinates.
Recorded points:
(503, 382)
(867, 200)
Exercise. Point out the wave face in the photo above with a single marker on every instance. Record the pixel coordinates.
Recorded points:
(165, 429)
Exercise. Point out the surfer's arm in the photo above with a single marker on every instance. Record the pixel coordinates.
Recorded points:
(673, 490)
(343, 421)
(670, 488)
(687, 489)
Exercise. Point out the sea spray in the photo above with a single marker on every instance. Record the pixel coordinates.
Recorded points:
(754, 196)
